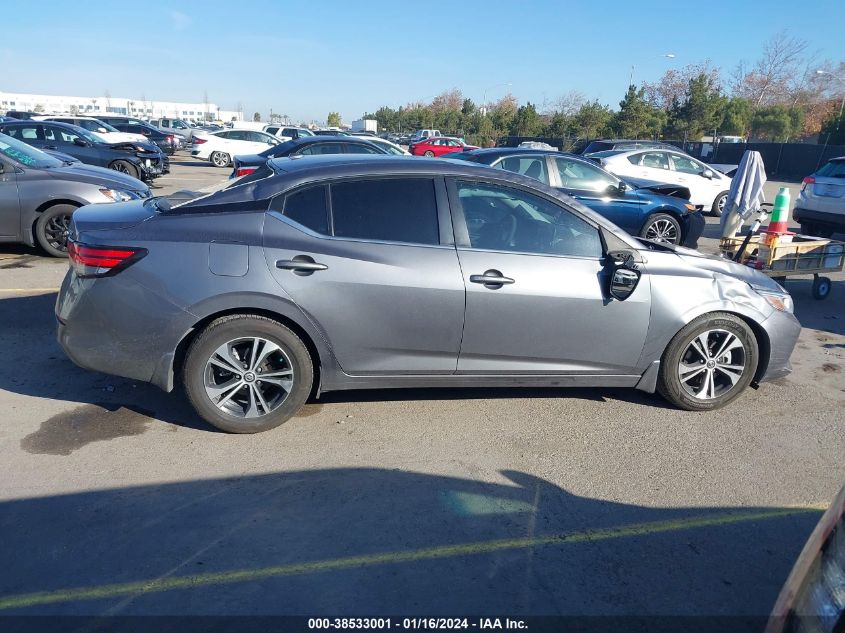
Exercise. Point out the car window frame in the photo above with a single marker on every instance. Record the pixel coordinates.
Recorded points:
(552, 160)
(543, 157)
(441, 198)
(461, 232)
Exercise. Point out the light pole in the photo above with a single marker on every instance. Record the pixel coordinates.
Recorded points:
(663, 56)
(842, 83)
(484, 101)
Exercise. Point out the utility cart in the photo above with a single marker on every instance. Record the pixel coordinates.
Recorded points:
(784, 256)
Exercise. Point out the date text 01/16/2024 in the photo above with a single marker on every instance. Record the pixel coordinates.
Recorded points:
(430, 624)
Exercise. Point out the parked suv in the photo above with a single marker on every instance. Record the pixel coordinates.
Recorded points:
(38, 194)
(820, 208)
(364, 272)
(177, 127)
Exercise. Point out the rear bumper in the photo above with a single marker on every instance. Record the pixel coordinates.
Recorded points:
(804, 216)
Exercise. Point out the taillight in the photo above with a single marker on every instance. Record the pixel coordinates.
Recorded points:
(198, 141)
(809, 180)
(244, 171)
(100, 261)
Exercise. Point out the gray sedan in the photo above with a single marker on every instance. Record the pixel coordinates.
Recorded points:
(327, 273)
(39, 192)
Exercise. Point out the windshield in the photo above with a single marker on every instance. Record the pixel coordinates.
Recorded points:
(834, 169)
(179, 125)
(26, 155)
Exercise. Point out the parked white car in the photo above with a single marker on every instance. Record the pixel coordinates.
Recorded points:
(102, 129)
(388, 146)
(708, 187)
(287, 132)
(220, 147)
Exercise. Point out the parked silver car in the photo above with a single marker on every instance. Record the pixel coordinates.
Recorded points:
(39, 192)
(359, 272)
(820, 208)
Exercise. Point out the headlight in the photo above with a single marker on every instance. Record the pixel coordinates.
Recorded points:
(781, 301)
(689, 207)
(118, 195)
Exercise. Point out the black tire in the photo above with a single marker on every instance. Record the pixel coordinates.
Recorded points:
(126, 167)
(815, 230)
(429, 153)
(669, 383)
(821, 288)
(719, 204)
(220, 159)
(51, 229)
(663, 224)
(231, 328)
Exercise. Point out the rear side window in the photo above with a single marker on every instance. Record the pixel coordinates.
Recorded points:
(322, 148)
(309, 208)
(393, 210)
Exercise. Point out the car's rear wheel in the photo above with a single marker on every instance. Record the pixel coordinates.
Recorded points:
(52, 228)
(220, 159)
(125, 167)
(708, 363)
(719, 204)
(662, 227)
(247, 373)
(429, 153)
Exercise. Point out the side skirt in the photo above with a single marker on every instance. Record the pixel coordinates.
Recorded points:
(453, 380)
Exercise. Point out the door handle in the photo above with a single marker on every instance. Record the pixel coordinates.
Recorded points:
(300, 265)
(492, 279)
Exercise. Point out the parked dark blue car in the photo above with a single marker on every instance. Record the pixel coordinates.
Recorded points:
(639, 211)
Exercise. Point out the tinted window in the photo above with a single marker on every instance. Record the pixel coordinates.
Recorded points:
(308, 207)
(59, 135)
(360, 148)
(505, 219)
(271, 130)
(238, 135)
(395, 210)
(24, 132)
(531, 166)
(575, 174)
(834, 169)
(322, 148)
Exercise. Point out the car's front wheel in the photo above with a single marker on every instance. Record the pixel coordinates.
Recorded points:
(708, 363)
(719, 204)
(429, 153)
(52, 228)
(126, 167)
(220, 159)
(247, 373)
(662, 227)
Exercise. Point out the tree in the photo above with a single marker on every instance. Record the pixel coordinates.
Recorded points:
(527, 122)
(256, 117)
(700, 109)
(593, 120)
(779, 73)
(333, 120)
(675, 82)
(777, 123)
(736, 117)
(636, 118)
(833, 130)
(39, 107)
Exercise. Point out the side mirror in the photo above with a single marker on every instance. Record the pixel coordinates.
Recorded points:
(622, 187)
(625, 275)
(707, 174)
(80, 141)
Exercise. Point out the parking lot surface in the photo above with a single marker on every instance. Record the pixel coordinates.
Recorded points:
(116, 499)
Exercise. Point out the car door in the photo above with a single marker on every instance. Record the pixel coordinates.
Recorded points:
(31, 133)
(260, 141)
(64, 140)
(371, 262)
(690, 173)
(10, 206)
(598, 190)
(550, 313)
(653, 166)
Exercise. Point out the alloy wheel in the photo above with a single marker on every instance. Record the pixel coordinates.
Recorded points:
(56, 231)
(121, 167)
(248, 377)
(712, 364)
(721, 204)
(662, 230)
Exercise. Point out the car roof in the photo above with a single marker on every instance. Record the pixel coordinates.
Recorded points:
(490, 154)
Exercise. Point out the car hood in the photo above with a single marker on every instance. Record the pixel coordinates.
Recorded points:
(716, 264)
(79, 172)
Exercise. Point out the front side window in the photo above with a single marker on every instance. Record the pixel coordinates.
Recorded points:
(531, 166)
(687, 165)
(576, 174)
(506, 219)
(390, 209)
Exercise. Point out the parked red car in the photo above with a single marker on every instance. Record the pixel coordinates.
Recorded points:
(438, 145)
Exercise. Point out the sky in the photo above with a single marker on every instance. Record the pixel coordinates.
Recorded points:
(305, 59)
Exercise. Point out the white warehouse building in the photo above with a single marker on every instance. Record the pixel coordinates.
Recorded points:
(141, 108)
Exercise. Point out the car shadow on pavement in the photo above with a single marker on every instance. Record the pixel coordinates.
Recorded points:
(379, 542)
(40, 368)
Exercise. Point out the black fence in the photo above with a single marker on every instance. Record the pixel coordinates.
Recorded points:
(782, 160)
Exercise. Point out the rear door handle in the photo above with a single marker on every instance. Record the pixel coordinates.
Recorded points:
(300, 265)
(492, 279)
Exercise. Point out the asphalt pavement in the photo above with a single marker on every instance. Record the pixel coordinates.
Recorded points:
(117, 500)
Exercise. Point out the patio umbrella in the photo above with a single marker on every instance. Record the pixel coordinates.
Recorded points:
(746, 193)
